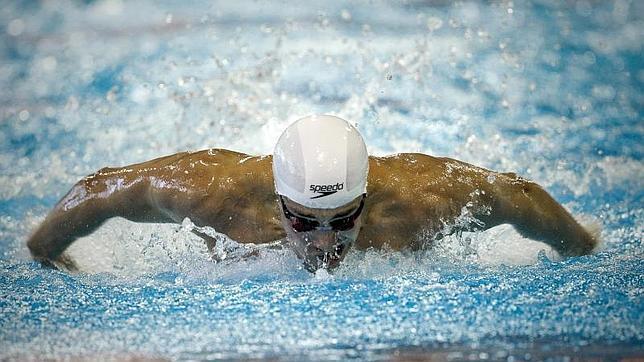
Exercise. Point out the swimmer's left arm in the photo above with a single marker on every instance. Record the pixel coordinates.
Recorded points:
(536, 215)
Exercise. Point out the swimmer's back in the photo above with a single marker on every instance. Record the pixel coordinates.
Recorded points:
(229, 191)
(412, 197)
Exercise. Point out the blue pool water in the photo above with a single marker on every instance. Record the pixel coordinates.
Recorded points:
(551, 91)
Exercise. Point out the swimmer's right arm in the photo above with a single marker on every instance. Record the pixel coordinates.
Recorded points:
(105, 194)
(210, 187)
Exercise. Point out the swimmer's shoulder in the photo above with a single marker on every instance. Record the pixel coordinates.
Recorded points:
(223, 164)
(403, 174)
(422, 163)
(193, 167)
(215, 157)
(419, 173)
(184, 160)
(407, 163)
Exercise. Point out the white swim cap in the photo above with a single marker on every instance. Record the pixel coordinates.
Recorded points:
(320, 162)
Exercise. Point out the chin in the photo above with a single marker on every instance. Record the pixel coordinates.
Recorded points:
(314, 263)
(315, 259)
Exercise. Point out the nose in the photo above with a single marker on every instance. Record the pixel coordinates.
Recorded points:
(323, 241)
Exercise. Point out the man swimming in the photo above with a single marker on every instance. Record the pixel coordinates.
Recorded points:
(320, 190)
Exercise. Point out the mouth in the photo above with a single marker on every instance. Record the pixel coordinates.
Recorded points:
(325, 260)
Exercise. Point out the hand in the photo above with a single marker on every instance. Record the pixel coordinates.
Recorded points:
(63, 262)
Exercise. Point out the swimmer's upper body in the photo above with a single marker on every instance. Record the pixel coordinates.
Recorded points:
(320, 191)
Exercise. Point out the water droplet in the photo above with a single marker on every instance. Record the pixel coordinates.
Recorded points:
(48, 64)
(434, 23)
(23, 115)
(345, 14)
(16, 27)
(50, 112)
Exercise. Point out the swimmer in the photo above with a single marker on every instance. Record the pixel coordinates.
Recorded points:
(320, 192)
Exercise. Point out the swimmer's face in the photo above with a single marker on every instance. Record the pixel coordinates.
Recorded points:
(321, 237)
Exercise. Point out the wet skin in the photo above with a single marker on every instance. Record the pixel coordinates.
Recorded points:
(412, 199)
(322, 247)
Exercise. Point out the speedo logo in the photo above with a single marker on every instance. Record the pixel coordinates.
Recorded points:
(325, 190)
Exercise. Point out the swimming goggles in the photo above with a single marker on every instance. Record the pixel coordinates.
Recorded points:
(301, 223)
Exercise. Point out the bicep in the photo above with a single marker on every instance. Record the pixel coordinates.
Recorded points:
(124, 191)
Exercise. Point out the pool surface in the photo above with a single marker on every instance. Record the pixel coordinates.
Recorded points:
(553, 91)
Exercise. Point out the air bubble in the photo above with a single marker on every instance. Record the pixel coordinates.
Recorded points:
(16, 27)
(23, 115)
(434, 23)
(345, 14)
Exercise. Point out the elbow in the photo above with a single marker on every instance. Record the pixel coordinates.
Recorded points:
(79, 193)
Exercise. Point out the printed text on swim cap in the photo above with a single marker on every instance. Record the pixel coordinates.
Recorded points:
(326, 190)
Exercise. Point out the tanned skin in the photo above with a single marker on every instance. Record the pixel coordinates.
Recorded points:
(411, 199)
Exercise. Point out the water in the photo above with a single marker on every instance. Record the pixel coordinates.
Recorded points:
(551, 91)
